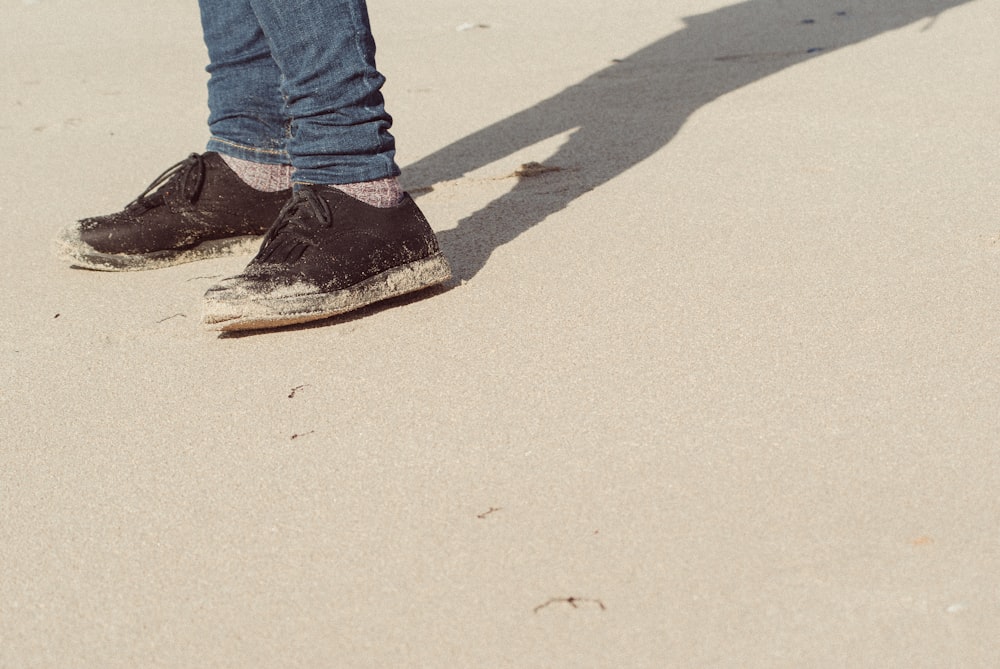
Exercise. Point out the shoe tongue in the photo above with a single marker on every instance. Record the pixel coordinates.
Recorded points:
(312, 201)
(301, 215)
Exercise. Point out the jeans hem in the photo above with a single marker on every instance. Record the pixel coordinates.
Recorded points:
(244, 152)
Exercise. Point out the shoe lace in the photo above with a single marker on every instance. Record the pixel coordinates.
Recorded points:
(288, 238)
(190, 172)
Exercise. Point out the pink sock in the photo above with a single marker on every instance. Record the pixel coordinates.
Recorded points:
(262, 176)
(382, 193)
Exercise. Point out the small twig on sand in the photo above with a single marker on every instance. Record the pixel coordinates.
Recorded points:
(533, 169)
(572, 601)
(493, 509)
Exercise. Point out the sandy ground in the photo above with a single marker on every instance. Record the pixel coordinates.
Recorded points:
(719, 389)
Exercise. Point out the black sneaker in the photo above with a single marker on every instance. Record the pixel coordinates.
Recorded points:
(328, 254)
(195, 210)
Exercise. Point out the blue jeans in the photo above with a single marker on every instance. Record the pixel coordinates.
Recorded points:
(294, 82)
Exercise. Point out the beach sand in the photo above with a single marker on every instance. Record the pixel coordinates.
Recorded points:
(715, 383)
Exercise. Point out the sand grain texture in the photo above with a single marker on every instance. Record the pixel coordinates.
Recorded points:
(720, 388)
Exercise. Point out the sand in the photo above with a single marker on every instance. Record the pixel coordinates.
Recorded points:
(720, 388)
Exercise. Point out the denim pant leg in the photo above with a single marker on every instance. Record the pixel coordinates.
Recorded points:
(247, 117)
(326, 54)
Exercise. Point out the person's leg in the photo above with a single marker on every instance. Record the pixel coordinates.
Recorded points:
(339, 129)
(247, 117)
(349, 237)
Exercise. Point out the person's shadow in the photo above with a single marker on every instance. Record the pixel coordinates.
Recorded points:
(631, 109)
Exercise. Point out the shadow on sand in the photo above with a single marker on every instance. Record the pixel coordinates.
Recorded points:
(647, 97)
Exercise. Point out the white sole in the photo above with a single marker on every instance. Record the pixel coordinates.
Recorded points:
(289, 305)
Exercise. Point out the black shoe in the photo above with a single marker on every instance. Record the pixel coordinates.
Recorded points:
(328, 254)
(195, 210)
